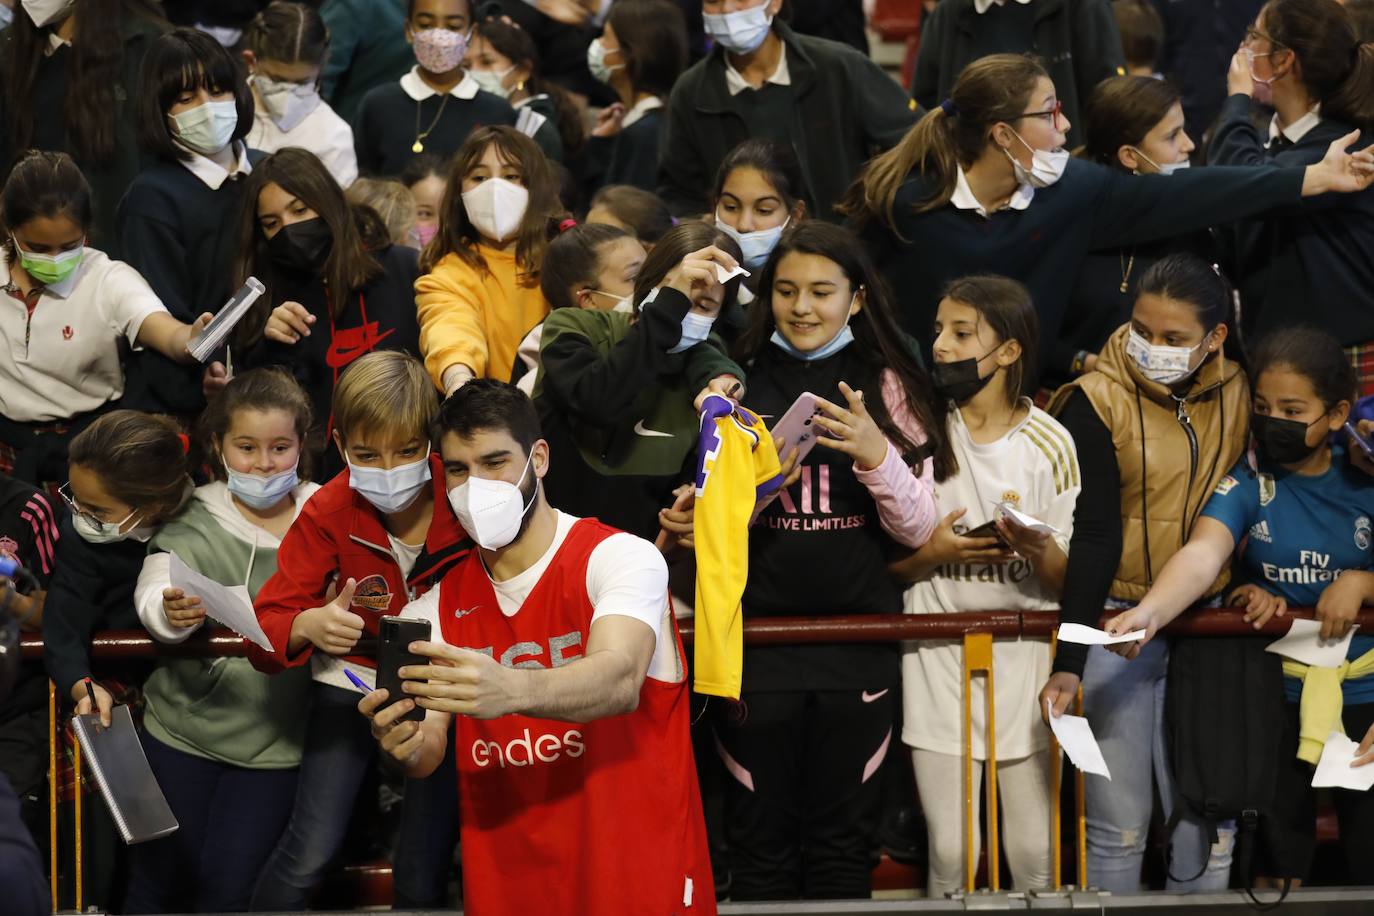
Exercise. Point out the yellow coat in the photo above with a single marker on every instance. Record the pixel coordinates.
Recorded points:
(473, 317)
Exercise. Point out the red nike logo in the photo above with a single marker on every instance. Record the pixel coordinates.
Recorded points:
(350, 343)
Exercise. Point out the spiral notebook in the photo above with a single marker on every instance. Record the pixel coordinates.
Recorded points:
(115, 758)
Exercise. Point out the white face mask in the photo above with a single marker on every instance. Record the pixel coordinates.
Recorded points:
(287, 104)
(1167, 168)
(93, 532)
(1047, 166)
(260, 492)
(1165, 365)
(491, 511)
(46, 12)
(390, 489)
(491, 81)
(208, 128)
(496, 208)
(596, 62)
(742, 31)
(755, 247)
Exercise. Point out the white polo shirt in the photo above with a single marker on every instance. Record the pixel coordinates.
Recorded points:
(63, 358)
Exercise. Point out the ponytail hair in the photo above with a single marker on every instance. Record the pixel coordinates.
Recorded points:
(991, 89)
(1337, 69)
(140, 459)
(1203, 287)
(1121, 111)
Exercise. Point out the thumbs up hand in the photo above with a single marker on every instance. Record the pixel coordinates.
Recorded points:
(333, 628)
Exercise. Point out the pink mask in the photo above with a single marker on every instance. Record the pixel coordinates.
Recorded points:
(440, 50)
(425, 234)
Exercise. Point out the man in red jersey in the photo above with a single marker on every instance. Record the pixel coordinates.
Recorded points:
(555, 648)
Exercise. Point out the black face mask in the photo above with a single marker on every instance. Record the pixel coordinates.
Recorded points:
(958, 381)
(1282, 441)
(303, 247)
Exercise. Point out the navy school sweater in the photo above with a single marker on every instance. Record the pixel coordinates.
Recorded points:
(384, 130)
(1044, 246)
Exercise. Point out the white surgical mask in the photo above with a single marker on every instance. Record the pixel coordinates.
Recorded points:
(6, 16)
(1167, 168)
(622, 303)
(287, 103)
(695, 329)
(1165, 365)
(742, 31)
(496, 208)
(755, 247)
(390, 489)
(491, 511)
(46, 12)
(207, 128)
(93, 532)
(491, 81)
(260, 492)
(1047, 166)
(596, 62)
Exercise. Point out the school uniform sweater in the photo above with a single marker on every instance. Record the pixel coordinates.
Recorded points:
(379, 316)
(111, 177)
(476, 317)
(839, 110)
(630, 157)
(93, 589)
(1045, 244)
(384, 130)
(180, 234)
(616, 408)
(1308, 262)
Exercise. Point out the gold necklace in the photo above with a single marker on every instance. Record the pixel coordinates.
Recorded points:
(418, 146)
(1126, 267)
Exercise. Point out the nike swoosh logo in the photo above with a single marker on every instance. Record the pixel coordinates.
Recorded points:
(870, 697)
(640, 430)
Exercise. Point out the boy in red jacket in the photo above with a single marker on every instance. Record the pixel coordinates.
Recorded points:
(375, 537)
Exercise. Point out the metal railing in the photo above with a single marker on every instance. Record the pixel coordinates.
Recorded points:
(976, 629)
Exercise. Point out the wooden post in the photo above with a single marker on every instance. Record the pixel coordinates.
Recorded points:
(1081, 807)
(76, 812)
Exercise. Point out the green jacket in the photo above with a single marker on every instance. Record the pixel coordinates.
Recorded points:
(221, 708)
(367, 48)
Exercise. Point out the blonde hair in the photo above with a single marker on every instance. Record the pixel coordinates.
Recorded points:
(388, 391)
(991, 89)
(390, 200)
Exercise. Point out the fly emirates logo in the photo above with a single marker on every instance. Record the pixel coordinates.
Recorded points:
(528, 748)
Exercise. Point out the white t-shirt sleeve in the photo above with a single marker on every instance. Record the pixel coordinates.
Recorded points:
(128, 300)
(152, 579)
(426, 607)
(627, 577)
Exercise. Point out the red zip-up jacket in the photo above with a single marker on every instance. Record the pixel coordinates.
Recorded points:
(339, 536)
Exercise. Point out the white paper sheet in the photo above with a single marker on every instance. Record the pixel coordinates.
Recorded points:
(1075, 736)
(1092, 636)
(230, 605)
(1303, 645)
(1007, 510)
(1334, 769)
(726, 275)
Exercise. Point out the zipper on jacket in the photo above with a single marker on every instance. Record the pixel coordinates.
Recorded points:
(1186, 422)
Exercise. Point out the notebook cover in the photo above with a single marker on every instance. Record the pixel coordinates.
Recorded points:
(114, 756)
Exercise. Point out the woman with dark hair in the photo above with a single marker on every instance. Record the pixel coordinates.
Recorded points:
(617, 385)
(1287, 515)
(758, 193)
(1304, 58)
(504, 61)
(71, 77)
(176, 223)
(640, 54)
(329, 300)
(802, 807)
(641, 213)
(1134, 124)
(73, 311)
(983, 179)
(1157, 424)
(285, 47)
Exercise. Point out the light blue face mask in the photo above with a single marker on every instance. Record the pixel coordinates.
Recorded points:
(837, 343)
(695, 329)
(261, 492)
(390, 489)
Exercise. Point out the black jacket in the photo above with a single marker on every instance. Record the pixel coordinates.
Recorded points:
(846, 109)
(1310, 261)
(1076, 40)
(630, 157)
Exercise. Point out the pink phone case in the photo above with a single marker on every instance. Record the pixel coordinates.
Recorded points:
(798, 428)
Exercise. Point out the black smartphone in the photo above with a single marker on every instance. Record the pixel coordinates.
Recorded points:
(397, 633)
(986, 530)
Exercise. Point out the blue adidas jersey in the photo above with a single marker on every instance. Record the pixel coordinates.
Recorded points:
(1298, 533)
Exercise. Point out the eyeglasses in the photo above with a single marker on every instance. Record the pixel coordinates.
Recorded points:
(1052, 115)
(65, 491)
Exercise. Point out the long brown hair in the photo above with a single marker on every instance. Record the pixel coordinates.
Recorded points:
(140, 459)
(91, 110)
(1336, 69)
(1120, 112)
(459, 237)
(879, 343)
(991, 89)
(349, 266)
